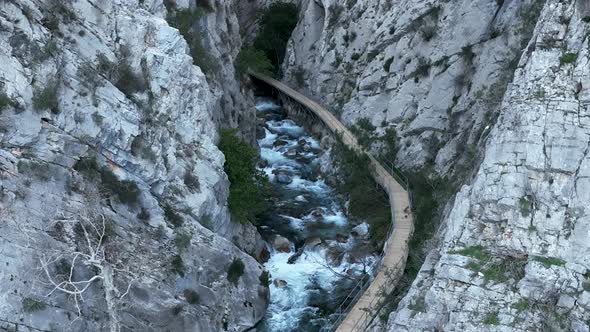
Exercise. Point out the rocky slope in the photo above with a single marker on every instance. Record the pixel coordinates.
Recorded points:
(526, 206)
(434, 71)
(110, 180)
(503, 81)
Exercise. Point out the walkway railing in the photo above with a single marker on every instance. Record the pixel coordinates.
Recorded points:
(362, 307)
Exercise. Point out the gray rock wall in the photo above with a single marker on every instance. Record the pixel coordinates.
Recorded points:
(526, 205)
(148, 116)
(434, 71)
(504, 82)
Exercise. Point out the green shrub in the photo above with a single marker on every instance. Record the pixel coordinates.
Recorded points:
(474, 266)
(31, 304)
(235, 271)
(34, 168)
(191, 181)
(127, 81)
(335, 13)
(521, 305)
(47, 97)
(264, 278)
(477, 252)
(182, 239)
(184, 20)
(549, 261)
(126, 191)
(5, 101)
(422, 69)
(248, 185)
(173, 217)
(525, 206)
(256, 60)
(568, 58)
(178, 265)
(367, 201)
(192, 296)
(387, 64)
(491, 319)
(143, 215)
(276, 24)
(428, 32)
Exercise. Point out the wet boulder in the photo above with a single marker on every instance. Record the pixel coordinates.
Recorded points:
(361, 230)
(282, 244)
(283, 178)
(312, 242)
(280, 283)
(279, 142)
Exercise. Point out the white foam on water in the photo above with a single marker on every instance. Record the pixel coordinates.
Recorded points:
(268, 139)
(318, 186)
(290, 302)
(300, 198)
(274, 157)
(286, 127)
(266, 105)
(294, 222)
(336, 218)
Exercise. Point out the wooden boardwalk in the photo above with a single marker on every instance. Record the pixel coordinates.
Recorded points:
(395, 251)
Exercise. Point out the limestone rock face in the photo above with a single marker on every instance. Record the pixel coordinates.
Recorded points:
(112, 82)
(525, 207)
(433, 71)
(505, 81)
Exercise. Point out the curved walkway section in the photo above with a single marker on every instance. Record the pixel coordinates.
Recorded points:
(395, 251)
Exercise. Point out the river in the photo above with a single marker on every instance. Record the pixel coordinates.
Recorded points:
(308, 218)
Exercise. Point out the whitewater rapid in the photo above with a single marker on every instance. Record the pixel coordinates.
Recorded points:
(309, 214)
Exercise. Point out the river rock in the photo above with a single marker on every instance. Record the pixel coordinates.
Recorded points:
(361, 230)
(280, 283)
(312, 242)
(279, 142)
(283, 178)
(282, 244)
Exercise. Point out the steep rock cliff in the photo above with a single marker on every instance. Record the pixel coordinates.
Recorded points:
(110, 180)
(501, 82)
(526, 205)
(433, 71)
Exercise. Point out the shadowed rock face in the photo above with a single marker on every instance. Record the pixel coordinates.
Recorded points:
(505, 80)
(113, 82)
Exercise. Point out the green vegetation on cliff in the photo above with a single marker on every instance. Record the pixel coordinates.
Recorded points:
(367, 200)
(268, 50)
(248, 185)
(276, 24)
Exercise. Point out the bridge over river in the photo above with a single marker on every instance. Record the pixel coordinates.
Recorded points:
(368, 296)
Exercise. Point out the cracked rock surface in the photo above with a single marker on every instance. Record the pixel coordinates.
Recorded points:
(112, 82)
(502, 81)
(526, 207)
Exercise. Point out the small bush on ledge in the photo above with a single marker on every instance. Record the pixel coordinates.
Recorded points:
(235, 271)
(46, 98)
(568, 58)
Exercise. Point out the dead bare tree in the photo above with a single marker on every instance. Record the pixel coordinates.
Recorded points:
(86, 253)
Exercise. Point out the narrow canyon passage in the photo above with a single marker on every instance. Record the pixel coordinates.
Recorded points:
(317, 253)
